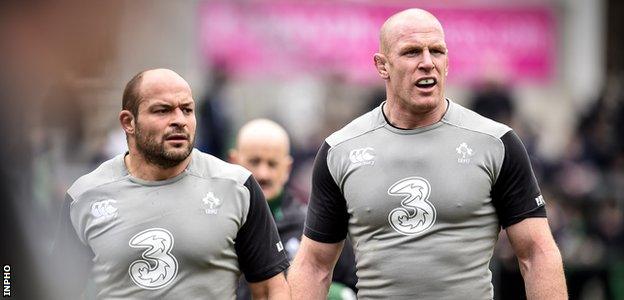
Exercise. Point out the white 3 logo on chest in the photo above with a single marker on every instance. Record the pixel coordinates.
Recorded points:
(416, 213)
(158, 267)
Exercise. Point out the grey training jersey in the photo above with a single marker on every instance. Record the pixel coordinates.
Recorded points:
(423, 206)
(188, 237)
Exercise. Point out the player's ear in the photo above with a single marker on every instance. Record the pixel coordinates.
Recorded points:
(447, 65)
(380, 61)
(233, 156)
(288, 162)
(127, 120)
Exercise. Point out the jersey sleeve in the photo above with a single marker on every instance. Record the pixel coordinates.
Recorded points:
(516, 195)
(70, 255)
(327, 218)
(260, 252)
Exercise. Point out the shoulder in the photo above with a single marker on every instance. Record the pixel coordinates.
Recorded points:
(209, 167)
(467, 119)
(366, 123)
(108, 172)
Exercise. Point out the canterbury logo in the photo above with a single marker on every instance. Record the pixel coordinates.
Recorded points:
(104, 208)
(362, 156)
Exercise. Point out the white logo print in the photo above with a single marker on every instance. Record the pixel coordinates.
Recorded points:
(158, 267)
(465, 153)
(211, 204)
(279, 246)
(103, 209)
(362, 156)
(416, 213)
(539, 200)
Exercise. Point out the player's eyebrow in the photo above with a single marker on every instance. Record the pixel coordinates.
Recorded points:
(438, 47)
(409, 47)
(160, 105)
(418, 46)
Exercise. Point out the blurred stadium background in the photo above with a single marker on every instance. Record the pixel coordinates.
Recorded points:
(552, 69)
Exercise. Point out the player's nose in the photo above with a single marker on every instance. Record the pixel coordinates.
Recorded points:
(263, 172)
(427, 62)
(178, 117)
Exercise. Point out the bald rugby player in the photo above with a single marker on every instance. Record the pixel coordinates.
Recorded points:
(423, 186)
(263, 147)
(164, 220)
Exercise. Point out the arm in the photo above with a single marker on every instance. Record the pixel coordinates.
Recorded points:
(260, 252)
(521, 212)
(311, 273)
(539, 259)
(272, 288)
(323, 236)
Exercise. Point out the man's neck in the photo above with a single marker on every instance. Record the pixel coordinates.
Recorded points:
(402, 118)
(140, 168)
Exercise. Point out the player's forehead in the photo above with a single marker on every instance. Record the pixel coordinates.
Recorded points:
(163, 86)
(414, 26)
(430, 39)
(263, 147)
(414, 33)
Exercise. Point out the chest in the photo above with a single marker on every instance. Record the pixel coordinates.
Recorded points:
(411, 183)
(188, 223)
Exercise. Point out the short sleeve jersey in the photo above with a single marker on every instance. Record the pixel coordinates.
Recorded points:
(423, 206)
(188, 237)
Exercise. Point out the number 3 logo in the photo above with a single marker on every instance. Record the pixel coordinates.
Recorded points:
(158, 267)
(416, 213)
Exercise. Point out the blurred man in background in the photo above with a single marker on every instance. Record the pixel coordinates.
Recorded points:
(263, 147)
(165, 220)
(423, 185)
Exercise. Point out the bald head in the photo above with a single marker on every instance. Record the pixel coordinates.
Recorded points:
(263, 147)
(157, 80)
(409, 18)
(263, 131)
(150, 82)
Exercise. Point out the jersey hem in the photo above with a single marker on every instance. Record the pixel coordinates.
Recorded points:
(269, 272)
(537, 212)
(321, 237)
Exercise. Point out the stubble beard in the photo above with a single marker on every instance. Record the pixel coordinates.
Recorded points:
(155, 152)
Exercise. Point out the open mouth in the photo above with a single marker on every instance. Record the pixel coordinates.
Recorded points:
(426, 83)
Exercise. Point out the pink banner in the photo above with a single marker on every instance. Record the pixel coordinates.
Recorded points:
(289, 38)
